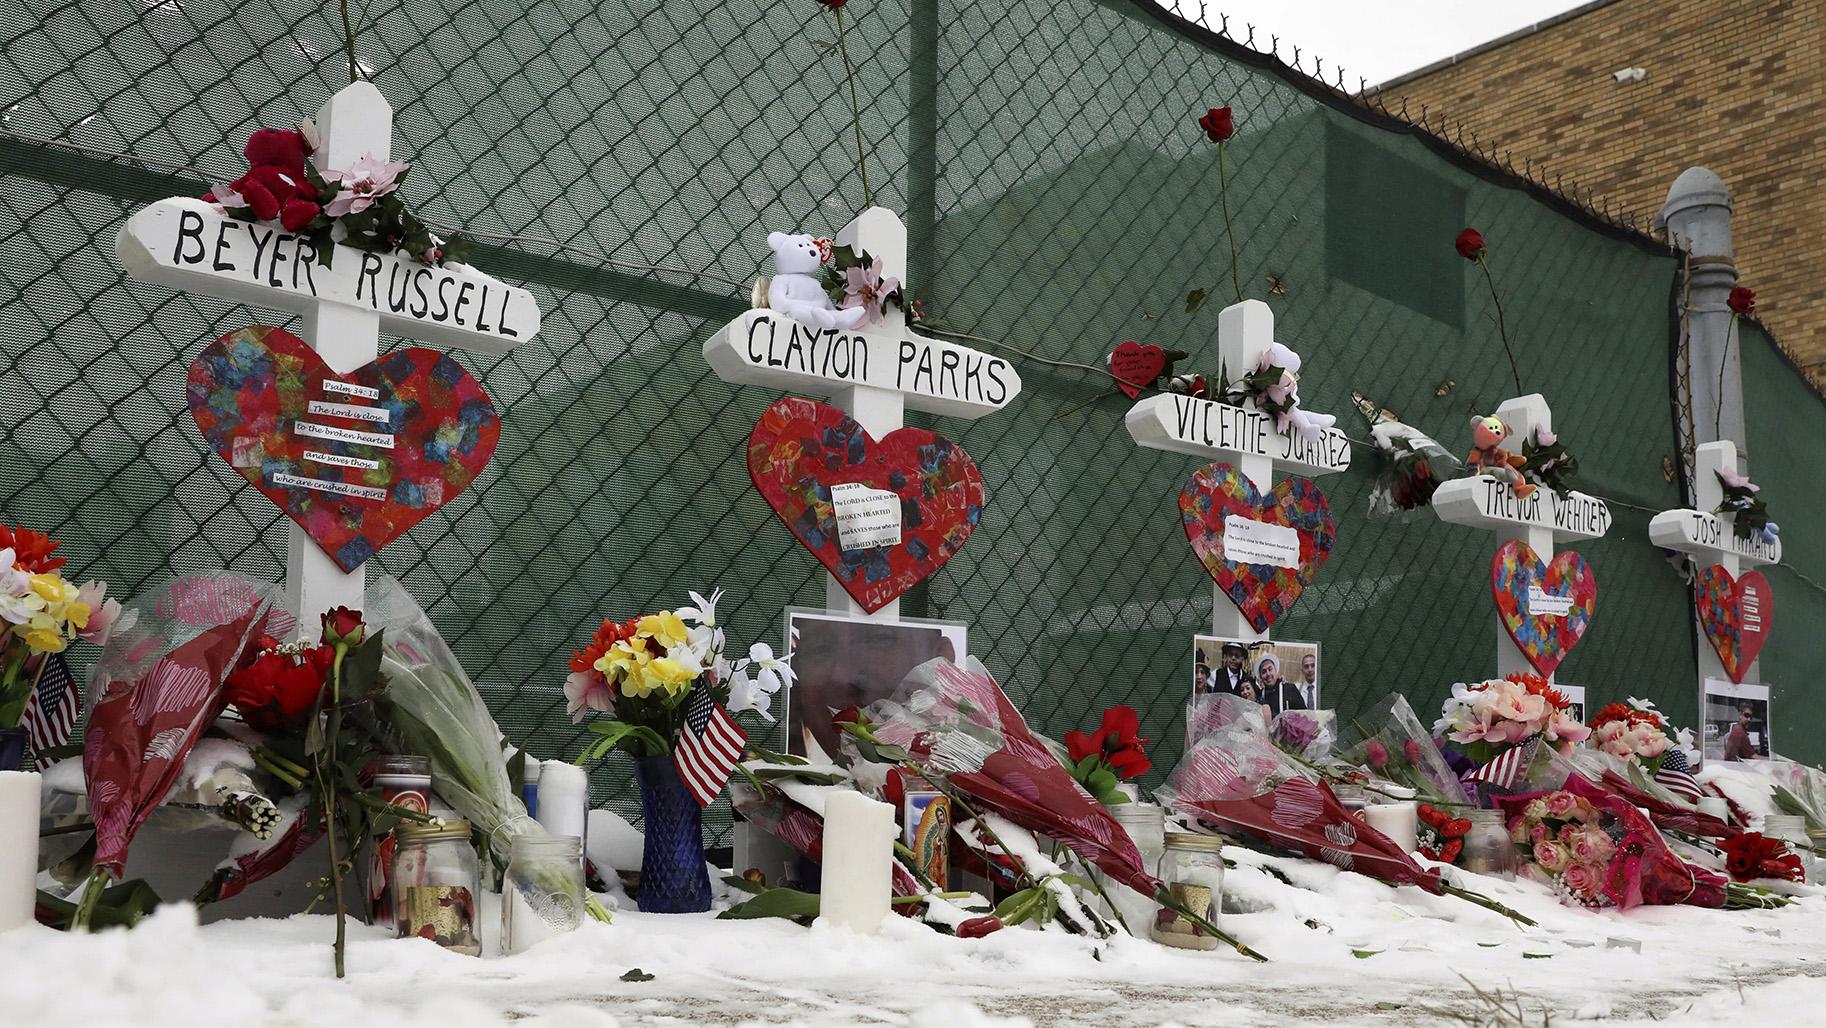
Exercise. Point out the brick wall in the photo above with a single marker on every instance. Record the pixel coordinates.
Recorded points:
(1738, 86)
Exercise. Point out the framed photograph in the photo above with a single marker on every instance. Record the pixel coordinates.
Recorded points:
(841, 662)
(1575, 693)
(1736, 720)
(1279, 675)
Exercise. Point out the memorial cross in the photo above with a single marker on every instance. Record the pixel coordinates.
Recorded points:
(874, 373)
(193, 246)
(1543, 519)
(1238, 435)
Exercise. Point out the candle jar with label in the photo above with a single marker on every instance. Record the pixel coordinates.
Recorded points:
(542, 891)
(404, 781)
(1192, 866)
(1488, 849)
(437, 883)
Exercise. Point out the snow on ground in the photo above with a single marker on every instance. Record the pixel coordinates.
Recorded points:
(1344, 949)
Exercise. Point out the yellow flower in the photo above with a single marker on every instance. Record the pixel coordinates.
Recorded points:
(664, 628)
(41, 634)
(668, 674)
(53, 589)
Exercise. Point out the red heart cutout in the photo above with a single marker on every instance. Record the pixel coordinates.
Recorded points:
(1262, 591)
(1136, 366)
(356, 460)
(1544, 638)
(801, 448)
(1736, 614)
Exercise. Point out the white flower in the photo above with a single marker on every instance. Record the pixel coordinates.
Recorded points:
(756, 692)
(702, 611)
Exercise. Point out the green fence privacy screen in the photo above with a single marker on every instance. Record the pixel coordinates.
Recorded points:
(1060, 199)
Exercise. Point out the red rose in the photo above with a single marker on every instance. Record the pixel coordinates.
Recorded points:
(1118, 741)
(1470, 244)
(277, 690)
(260, 200)
(976, 927)
(1742, 301)
(343, 626)
(282, 148)
(296, 214)
(1218, 124)
(31, 550)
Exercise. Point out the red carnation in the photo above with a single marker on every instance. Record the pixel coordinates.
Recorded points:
(1742, 301)
(1218, 124)
(277, 690)
(1118, 741)
(1470, 244)
(296, 214)
(31, 550)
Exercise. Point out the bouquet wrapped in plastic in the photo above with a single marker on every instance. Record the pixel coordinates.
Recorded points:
(1390, 744)
(954, 725)
(1411, 467)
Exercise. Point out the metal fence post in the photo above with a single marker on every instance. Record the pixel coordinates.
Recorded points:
(1697, 217)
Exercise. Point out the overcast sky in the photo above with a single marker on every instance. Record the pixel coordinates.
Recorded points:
(1376, 41)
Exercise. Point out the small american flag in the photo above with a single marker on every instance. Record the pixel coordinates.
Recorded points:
(1675, 775)
(1507, 768)
(708, 747)
(52, 709)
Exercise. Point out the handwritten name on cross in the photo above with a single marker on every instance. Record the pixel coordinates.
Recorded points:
(875, 374)
(1711, 538)
(1542, 519)
(1241, 436)
(192, 246)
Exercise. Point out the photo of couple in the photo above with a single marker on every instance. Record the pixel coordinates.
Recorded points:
(1278, 675)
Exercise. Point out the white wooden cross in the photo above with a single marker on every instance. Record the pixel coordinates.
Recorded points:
(1712, 539)
(1543, 519)
(875, 374)
(1241, 436)
(191, 245)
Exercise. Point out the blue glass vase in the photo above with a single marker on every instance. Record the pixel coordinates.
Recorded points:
(672, 875)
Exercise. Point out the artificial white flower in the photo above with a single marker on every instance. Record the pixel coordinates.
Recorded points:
(746, 694)
(702, 611)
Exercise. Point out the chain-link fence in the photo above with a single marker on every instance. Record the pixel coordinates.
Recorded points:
(1059, 198)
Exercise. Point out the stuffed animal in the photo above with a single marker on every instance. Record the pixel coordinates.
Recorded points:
(795, 290)
(1489, 458)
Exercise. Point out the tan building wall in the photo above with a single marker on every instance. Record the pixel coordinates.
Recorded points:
(1738, 86)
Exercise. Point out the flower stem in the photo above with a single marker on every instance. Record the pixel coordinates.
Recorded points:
(1718, 412)
(1501, 328)
(862, 163)
(1486, 902)
(1164, 896)
(327, 786)
(1223, 193)
(348, 42)
(277, 766)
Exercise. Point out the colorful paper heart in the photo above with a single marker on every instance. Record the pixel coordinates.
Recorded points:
(1289, 535)
(1136, 366)
(801, 448)
(357, 459)
(1545, 607)
(1736, 614)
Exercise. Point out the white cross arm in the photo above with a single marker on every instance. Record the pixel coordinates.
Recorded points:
(1207, 429)
(1709, 536)
(1483, 502)
(192, 245)
(765, 347)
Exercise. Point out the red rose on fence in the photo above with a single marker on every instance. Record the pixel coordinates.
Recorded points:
(1742, 301)
(1470, 244)
(1218, 124)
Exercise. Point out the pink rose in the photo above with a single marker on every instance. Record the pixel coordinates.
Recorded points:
(1568, 728)
(1551, 856)
(1593, 847)
(1539, 833)
(1586, 880)
(1647, 741)
(1561, 804)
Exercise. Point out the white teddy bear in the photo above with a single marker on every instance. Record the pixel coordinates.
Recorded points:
(795, 290)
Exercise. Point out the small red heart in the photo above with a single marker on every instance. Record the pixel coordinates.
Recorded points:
(1136, 366)
(357, 459)
(1736, 615)
(800, 448)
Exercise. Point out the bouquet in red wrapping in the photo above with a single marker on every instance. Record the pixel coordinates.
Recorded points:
(1598, 850)
(1754, 855)
(955, 726)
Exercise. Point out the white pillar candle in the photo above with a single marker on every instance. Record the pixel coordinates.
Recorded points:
(857, 884)
(564, 799)
(1399, 821)
(19, 795)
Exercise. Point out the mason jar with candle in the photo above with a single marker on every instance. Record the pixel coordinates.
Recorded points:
(404, 781)
(1192, 866)
(437, 882)
(542, 892)
(1488, 848)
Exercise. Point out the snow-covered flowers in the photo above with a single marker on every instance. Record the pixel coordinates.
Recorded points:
(1488, 717)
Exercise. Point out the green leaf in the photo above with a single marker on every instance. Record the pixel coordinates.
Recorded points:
(1364, 954)
(635, 974)
(616, 732)
(516, 770)
(1195, 298)
(769, 774)
(738, 882)
(788, 903)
